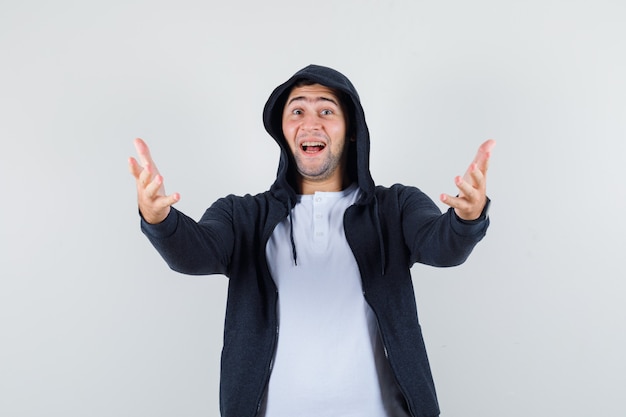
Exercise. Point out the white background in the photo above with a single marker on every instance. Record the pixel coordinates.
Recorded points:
(93, 323)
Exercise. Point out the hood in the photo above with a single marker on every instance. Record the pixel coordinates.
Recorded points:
(358, 153)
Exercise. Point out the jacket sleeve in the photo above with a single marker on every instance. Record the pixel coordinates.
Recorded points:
(434, 238)
(195, 248)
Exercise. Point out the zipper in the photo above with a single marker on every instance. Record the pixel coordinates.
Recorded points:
(380, 334)
(386, 353)
(270, 367)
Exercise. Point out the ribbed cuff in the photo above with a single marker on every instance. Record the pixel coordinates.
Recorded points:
(161, 230)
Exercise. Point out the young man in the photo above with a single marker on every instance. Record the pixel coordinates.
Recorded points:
(321, 317)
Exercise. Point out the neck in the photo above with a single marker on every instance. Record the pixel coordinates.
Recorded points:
(310, 186)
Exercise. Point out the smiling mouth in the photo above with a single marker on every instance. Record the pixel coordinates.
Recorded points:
(312, 147)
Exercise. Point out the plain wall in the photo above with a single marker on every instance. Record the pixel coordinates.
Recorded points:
(93, 323)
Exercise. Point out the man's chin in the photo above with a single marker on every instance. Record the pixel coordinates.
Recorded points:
(314, 171)
(314, 176)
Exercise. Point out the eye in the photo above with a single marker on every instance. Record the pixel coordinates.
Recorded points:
(296, 111)
(326, 112)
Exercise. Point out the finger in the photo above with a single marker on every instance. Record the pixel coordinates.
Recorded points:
(454, 202)
(484, 153)
(155, 187)
(478, 177)
(447, 199)
(481, 160)
(173, 199)
(166, 201)
(466, 189)
(151, 189)
(143, 151)
(134, 168)
(145, 176)
(468, 172)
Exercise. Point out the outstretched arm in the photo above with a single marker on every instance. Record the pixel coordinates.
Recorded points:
(154, 204)
(472, 197)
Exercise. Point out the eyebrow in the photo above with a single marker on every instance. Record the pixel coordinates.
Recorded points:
(321, 98)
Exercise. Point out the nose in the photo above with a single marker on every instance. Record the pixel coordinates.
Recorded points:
(311, 121)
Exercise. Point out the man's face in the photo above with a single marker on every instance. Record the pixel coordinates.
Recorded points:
(315, 129)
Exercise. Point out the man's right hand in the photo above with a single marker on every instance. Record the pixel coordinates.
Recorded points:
(154, 204)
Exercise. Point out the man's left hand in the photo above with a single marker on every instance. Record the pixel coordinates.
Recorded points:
(472, 197)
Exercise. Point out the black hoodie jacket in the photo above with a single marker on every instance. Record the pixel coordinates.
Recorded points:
(388, 230)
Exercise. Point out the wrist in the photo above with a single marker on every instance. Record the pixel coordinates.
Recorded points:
(484, 214)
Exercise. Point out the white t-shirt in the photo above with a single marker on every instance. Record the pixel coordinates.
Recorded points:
(329, 359)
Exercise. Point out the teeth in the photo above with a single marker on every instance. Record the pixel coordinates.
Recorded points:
(312, 146)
